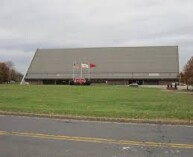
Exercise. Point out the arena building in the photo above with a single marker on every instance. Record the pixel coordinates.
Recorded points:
(114, 65)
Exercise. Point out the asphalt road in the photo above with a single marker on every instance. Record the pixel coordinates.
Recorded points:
(34, 137)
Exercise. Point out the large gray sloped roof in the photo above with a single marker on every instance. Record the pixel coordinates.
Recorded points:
(156, 62)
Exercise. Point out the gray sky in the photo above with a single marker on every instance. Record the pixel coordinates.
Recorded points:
(26, 25)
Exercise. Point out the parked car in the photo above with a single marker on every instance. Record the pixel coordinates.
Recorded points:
(133, 85)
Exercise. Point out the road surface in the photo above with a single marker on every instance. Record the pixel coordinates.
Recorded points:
(43, 137)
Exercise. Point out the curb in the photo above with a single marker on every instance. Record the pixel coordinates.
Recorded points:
(102, 119)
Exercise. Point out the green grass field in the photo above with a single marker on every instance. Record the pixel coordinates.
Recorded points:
(97, 101)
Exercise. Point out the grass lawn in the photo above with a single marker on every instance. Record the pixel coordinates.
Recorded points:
(97, 101)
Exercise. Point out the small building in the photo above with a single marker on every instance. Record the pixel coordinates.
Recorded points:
(114, 65)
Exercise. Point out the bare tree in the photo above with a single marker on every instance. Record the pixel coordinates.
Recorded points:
(9, 64)
(4, 72)
(188, 73)
(8, 73)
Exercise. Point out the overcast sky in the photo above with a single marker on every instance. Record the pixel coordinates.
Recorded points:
(26, 25)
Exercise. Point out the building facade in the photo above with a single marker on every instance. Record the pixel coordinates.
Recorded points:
(114, 65)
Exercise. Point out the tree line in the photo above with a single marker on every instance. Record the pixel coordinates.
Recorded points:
(187, 75)
(8, 74)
